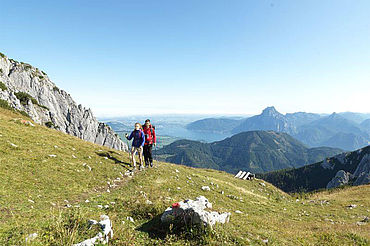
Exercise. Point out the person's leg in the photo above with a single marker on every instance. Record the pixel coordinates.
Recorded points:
(133, 152)
(140, 151)
(150, 156)
(146, 155)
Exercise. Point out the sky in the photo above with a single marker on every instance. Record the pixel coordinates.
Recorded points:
(197, 57)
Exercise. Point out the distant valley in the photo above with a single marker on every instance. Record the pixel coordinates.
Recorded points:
(255, 151)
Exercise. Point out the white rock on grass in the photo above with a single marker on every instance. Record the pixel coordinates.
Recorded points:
(31, 237)
(130, 219)
(102, 237)
(206, 188)
(13, 145)
(53, 156)
(193, 211)
(238, 212)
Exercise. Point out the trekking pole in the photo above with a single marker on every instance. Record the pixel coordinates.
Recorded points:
(129, 151)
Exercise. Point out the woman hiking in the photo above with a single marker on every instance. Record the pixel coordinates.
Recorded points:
(150, 140)
(137, 144)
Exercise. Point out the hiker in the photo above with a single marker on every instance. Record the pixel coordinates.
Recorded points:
(150, 140)
(137, 144)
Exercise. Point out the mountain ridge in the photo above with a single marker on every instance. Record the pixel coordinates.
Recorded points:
(255, 151)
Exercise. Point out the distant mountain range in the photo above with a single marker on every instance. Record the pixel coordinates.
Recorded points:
(255, 151)
(351, 168)
(347, 130)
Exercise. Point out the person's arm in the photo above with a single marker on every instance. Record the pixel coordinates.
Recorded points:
(154, 137)
(142, 138)
(131, 135)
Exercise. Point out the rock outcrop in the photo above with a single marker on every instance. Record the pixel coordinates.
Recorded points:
(341, 178)
(30, 90)
(193, 212)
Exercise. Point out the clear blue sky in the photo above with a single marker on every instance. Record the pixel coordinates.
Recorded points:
(225, 57)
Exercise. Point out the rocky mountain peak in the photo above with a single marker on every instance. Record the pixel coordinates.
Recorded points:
(270, 111)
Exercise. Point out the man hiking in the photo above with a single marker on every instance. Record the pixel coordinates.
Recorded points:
(137, 144)
(150, 140)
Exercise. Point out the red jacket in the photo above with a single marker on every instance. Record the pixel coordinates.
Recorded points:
(149, 135)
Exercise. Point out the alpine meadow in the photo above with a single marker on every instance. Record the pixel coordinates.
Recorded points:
(184, 123)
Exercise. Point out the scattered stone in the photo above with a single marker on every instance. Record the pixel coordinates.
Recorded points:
(351, 206)
(100, 206)
(105, 157)
(265, 240)
(238, 212)
(106, 206)
(53, 156)
(206, 188)
(193, 211)
(102, 237)
(31, 201)
(129, 218)
(263, 184)
(149, 202)
(73, 156)
(13, 145)
(68, 205)
(31, 237)
(55, 146)
(178, 188)
(177, 171)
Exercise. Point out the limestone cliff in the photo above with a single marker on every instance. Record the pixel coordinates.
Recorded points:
(30, 90)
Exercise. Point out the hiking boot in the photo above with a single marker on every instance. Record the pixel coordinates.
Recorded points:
(151, 164)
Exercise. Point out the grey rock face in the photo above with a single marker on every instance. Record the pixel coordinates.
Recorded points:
(341, 178)
(191, 211)
(362, 172)
(54, 106)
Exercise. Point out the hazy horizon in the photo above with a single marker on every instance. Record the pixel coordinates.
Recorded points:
(123, 58)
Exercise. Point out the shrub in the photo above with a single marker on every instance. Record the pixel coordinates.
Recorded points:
(25, 97)
(2, 55)
(1, 71)
(5, 104)
(41, 77)
(3, 86)
(55, 89)
(49, 124)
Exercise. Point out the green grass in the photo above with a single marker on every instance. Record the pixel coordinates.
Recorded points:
(35, 185)
(3, 86)
(25, 97)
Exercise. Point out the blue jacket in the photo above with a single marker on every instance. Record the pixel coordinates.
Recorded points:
(139, 138)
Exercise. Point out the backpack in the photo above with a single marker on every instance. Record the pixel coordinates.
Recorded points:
(152, 129)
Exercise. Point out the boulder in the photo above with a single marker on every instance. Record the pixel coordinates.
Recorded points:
(341, 178)
(193, 212)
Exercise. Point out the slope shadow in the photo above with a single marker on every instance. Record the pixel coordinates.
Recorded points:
(111, 157)
(155, 228)
(158, 230)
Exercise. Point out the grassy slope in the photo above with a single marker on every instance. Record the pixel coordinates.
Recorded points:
(28, 173)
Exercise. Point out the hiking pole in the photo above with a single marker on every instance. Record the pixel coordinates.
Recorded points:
(129, 151)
